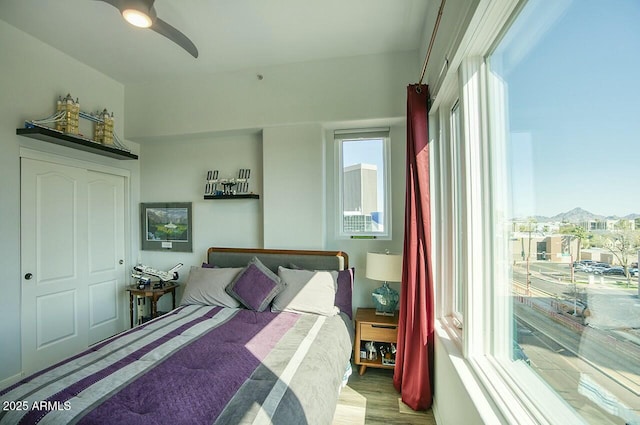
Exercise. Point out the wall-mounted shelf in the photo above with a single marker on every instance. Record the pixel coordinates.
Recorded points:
(72, 141)
(240, 196)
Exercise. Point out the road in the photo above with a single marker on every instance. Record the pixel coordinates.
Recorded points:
(605, 354)
(612, 306)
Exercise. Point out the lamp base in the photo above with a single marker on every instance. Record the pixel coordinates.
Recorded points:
(385, 300)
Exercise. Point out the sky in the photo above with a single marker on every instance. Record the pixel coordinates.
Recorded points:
(574, 106)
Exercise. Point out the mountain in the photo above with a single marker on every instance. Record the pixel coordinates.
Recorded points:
(631, 216)
(578, 215)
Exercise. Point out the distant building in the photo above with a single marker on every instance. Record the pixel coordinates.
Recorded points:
(607, 225)
(356, 222)
(546, 228)
(360, 198)
(598, 254)
(554, 248)
(360, 188)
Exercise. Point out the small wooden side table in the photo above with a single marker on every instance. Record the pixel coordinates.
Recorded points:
(371, 327)
(154, 294)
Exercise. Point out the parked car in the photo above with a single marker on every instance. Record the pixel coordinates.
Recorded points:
(617, 270)
(599, 268)
(633, 272)
(582, 265)
(579, 267)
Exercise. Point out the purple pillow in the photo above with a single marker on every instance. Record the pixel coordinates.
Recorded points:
(255, 286)
(344, 292)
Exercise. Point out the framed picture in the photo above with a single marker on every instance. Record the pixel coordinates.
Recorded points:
(166, 226)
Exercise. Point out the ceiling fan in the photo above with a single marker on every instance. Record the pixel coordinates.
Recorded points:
(141, 13)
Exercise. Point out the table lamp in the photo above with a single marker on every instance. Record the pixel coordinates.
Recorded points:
(387, 268)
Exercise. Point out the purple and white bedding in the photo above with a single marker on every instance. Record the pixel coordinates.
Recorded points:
(195, 365)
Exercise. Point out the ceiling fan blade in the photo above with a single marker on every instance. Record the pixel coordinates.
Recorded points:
(173, 34)
(114, 3)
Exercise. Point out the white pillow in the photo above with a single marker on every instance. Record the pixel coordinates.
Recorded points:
(207, 287)
(307, 291)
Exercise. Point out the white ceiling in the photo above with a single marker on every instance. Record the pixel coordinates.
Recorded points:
(230, 35)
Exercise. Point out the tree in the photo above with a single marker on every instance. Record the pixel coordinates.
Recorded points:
(578, 232)
(623, 243)
(529, 228)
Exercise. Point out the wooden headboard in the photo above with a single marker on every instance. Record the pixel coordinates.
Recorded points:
(272, 258)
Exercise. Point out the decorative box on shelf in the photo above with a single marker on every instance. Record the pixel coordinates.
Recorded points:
(65, 130)
(228, 188)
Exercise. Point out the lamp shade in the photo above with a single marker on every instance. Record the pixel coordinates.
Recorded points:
(385, 267)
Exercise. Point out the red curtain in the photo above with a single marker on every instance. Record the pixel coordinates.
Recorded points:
(413, 375)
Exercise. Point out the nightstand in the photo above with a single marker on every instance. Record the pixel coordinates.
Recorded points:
(378, 329)
(154, 294)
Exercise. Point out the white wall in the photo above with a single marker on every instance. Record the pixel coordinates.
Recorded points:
(294, 195)
(459, 398)
(175, 171)
(295, 109)
(32, 76)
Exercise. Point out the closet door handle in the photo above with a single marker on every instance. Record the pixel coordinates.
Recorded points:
(28, 276)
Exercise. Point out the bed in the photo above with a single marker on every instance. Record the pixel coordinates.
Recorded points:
(231, 353)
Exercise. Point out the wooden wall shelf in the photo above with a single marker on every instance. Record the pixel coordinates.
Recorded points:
(72, 141)
(240, 196)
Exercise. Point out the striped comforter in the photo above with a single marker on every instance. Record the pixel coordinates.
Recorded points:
(195, 365)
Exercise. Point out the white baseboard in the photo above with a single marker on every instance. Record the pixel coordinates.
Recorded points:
(436, 414)
(10, 380)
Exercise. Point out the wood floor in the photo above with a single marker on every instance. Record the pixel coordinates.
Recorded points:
(372, 399)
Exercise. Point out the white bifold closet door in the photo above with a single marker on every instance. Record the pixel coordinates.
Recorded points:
(72, 255)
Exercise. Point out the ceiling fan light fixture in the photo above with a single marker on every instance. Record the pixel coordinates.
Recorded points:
(142, 14)
(137, 18)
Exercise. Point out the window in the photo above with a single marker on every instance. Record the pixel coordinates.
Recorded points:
(363, 204)
(546, 208)
(569, 103)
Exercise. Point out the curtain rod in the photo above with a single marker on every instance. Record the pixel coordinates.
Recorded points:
(433, 37)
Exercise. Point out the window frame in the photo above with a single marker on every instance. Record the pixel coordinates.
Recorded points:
(444, 266)
(457, 200)
(518, 394)
(340, 137)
